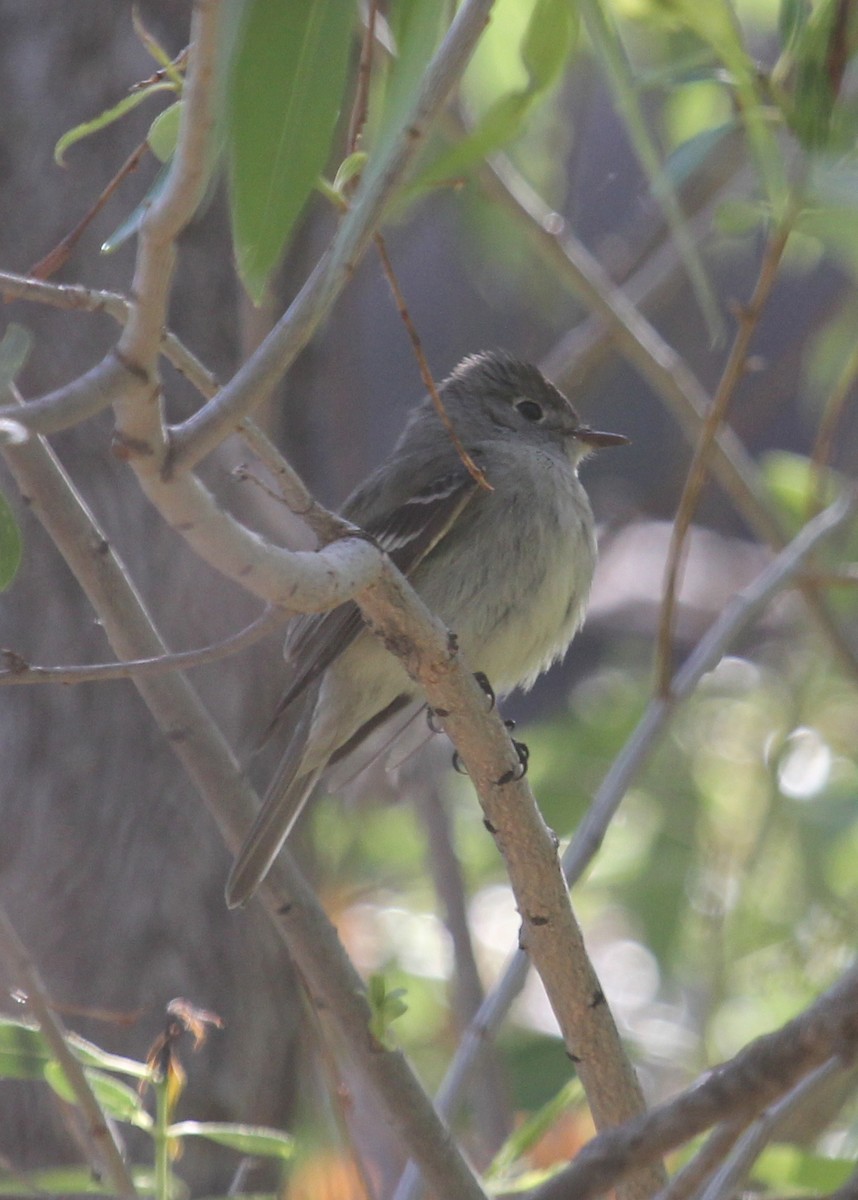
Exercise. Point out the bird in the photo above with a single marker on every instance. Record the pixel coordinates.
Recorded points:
(507, 568)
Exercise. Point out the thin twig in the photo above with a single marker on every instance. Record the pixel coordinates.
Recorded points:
(360, 107)
(105, 1155)
(832, 414)
(734, 368)
(425, 374)
(18, 671)
(60, 254)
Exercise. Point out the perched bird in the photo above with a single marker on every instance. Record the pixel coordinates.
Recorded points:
(507, 570)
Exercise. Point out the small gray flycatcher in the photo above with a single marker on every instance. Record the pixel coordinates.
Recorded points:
(507, 570)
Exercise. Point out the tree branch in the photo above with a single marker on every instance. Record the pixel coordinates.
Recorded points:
(763, 1071)
(104, 1154)
(716, 414)
(18, 671)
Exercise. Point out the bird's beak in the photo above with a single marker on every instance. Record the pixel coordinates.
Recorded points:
(596, 439)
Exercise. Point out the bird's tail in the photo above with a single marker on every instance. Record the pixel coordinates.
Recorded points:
(286, 796)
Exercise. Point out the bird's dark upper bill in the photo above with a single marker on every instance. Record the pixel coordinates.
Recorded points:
(593, 437)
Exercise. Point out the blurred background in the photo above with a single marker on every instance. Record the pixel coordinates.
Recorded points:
(724, 898)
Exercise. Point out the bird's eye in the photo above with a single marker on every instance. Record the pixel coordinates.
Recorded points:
(530, 410)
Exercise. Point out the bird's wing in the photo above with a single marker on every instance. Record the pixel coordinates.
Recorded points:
(407, 535)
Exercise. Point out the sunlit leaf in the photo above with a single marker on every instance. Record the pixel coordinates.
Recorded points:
(284, 98)
(248, 1139)
(543, 49)
(790, 479)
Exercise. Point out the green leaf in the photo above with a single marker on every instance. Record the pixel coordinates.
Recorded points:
(548, 40)
(285, 92)
(132, 222)
(791, 480)
(546, 43)
(11, 545)
(350, 168)
(23, 1050)
(164, 132)
(533, 1128)
(15, 349)
(249, 1139)
(740, 217)
(603, 34)
(386, 1007)
(117, 1099)
(416, 27)
(792, 18)
(86, 128)
(93, 1056)
(72, 1180)
(821, 49)
(789, 1168)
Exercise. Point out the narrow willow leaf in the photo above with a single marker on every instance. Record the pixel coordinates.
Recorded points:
(86, 128)
(530, 1131)
(417, 27)
(284, 97)
(548, 40)
(15, 349)
(132, 222)
(249, 1139)
(609, 49)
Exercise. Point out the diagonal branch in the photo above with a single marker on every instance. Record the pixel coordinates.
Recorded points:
(698, 472)
(105, 1155)
(766, 1069)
